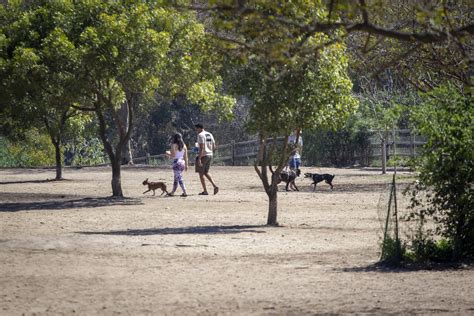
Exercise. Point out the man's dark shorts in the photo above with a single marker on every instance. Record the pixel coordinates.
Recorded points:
(206, 164)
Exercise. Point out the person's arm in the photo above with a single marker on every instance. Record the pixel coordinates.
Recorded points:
(185, 158)
(201, 153)
(173, 151)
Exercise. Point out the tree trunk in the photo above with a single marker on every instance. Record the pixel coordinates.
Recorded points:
(126, 150)
(272, 206)
(127, 154)
(59, 167)
(116, 177)
(384, 155)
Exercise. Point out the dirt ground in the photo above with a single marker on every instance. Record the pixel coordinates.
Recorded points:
(66, 248)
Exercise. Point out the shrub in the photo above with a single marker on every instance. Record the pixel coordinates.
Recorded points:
(446, 169)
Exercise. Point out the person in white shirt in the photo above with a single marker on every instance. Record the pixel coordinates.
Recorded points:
(295, 158)
(179, 154)
(207, 145)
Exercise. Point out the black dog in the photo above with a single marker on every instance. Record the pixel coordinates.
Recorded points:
(289, 177)
(320, 177)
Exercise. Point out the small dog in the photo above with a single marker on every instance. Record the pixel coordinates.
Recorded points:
(152, 186)
(289, 177)
(320, 177)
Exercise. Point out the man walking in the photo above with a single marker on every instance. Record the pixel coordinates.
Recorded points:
(207, 146)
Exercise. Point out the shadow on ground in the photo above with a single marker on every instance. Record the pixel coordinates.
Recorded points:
(29, 181)
(406, 268)
(324, 188)
(52, 204)
(206, 230)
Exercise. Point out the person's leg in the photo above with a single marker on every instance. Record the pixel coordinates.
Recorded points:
(203, 182)
(200, 170)
(175, 179)
(208, 175)
(292, 163)
(180, 177)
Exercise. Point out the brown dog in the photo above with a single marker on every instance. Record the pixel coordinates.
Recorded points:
(289, 178)
(152, 186)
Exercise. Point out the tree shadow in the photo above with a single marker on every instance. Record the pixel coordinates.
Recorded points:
(409, 267)
(67, 204)
(30, 181)
(198, 230)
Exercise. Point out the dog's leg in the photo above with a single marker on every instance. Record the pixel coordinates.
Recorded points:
(294, 184)
(153, 192)
(286, 187)
(314, 189)
(146, 191)
(330, 184)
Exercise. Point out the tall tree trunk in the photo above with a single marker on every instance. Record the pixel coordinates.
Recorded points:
(127, 158)
(126, 151)
(59, 166)
(263, 165)
(384, 155)
(124, 131)
(116, 177)
(273, 202)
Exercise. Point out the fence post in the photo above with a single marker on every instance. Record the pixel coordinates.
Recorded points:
(147, 158)
(232, 143)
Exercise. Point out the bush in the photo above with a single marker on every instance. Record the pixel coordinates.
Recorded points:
(446, 169)
(35, 150)
(393, 251)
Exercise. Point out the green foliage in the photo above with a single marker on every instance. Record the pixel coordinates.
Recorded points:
(342, 147)
(393, 252)
(308, 96)
(35, 150)
(84, 152)
(446, 166)
(426, 250)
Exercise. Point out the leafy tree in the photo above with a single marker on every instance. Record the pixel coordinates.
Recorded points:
(131, 49)
(446, 166)
(39, 65)
(307, 96)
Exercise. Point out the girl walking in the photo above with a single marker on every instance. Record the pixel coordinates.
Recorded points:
(179, 154)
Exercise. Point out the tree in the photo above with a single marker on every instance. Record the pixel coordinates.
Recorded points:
(381, 112)
(38, 73)
(308, 96)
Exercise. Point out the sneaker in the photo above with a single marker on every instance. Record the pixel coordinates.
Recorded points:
(216, 189)
(170, 194)
(184, 195)
(203, 193)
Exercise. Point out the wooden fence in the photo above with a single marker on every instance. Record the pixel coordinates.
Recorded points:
(401, 143)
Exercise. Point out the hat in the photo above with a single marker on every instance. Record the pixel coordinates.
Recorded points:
(199, 125)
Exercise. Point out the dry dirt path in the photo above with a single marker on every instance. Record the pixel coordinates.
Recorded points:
(67, 249)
